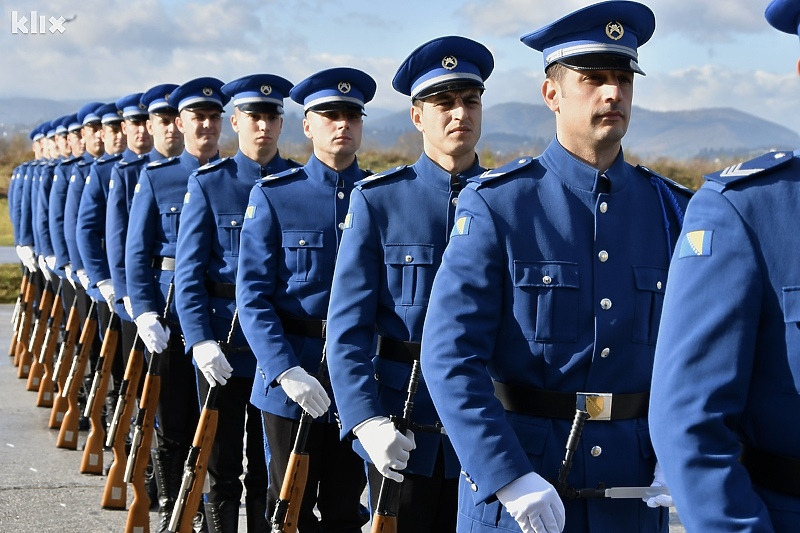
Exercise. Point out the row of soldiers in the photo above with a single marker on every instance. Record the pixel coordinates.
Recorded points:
(289, 293)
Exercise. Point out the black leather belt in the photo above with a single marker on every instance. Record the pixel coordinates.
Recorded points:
(397, 350)
(553, 404)
(771, 471)
(163, 263)
(303, 327)
(221, 290)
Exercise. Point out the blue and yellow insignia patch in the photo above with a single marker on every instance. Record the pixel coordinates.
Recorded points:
(696, 243)
(461, 227)
(110, 184)
(250, 212)
(348, 221)
(137, 188)
(186, 197)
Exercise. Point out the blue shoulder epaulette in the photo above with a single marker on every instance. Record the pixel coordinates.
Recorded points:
(83, 162)
(749, 169)
(674, 185)
(109, 159)
(137, 161)
(213, 164)
(163, 162)
(506, 170)
(374, 178)
(272, 178)
(68, 161)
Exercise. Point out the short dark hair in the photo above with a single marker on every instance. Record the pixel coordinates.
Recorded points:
(555, 71)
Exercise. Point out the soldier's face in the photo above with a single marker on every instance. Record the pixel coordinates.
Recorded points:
(93, 139)
(201, 128)
(450, 122)
(139, 139)
(166, 135)
(76, 143)
(62, 143)
(113, 138)
(259, 131)
(337, 133)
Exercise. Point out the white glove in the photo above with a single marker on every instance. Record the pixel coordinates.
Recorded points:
(68, 273)
(388, 449)
(126, 303)
(153, 334)
(107, 290)
(305, 390)
(27, 257)
(534, 504)
(45, 270)
(50, 260)
(662, 500)
(83, 277)
(212, 362)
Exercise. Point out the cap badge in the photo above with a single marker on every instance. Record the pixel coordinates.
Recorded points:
(266, 89)
(208, 91)
(449, 62)
(166, 96)
(614, 31)
(119, 112)
(344, 87)
(142, 106)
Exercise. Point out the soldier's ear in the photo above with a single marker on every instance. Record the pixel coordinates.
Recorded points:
(798, 67)
(550, 93)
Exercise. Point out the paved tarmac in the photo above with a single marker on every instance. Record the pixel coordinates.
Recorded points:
(8, 255)
(41, 487)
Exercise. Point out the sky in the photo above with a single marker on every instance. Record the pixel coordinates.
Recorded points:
(704, 53)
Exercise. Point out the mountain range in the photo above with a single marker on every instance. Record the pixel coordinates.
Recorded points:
(515, 128)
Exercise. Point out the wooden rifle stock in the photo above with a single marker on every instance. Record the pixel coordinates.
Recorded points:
(92, 460)
(68, 432)
(63, 364)
(35, 368)
(385, 519)
(47, 385)
(18, 305)
(24, 331)
(196, 468)
(287, 508)
(115, 492)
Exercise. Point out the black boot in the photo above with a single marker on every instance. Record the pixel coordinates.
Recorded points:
(256, 509)
(223, 517)
(162, 459)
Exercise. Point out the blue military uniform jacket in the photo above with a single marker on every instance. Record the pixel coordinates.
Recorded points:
(153, 232)
(26, 234)
(397, 228)
(77, 182)
(208, 252)
(41, 169)
(287, 253)
(15, 198)
(727, 367)
(549, 284)
(41, 213)
(57, 206)
(45, 214)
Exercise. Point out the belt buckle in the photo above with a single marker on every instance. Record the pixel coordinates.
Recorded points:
(597, 404)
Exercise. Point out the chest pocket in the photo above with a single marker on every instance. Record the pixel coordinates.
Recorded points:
(546, 300)
(304, 254)
(170, 217)
(409, 272)
(651, 282)
(229, 228)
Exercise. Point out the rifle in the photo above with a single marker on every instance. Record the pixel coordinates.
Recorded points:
(23, 288)
(287, 508)
(47, 385)
(24, 331)
(64, 361)
(143, 435)
(196, 468)
(385, 519)
(115, 493)
(68, 433)
(92, 460)
(35, 368)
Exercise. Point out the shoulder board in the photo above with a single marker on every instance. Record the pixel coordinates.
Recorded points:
(132, 162)
(69, 160)
(505, 170)
(272, 178)
(163, 162)
(671, 183)
(374, 178)
(109, 159)
(213, 164)
(749, 169)
(84, 162)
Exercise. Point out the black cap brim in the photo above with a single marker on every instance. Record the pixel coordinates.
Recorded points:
(602, 62)
(455, 85)
(328, 107)
(260, 108)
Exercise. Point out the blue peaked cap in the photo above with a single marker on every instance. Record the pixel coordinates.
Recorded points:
(258, 93)
(71, 123)
(784, 15)
(334, 89)
(36, 133)
(131, 107)
(443, 64)
(604, 36)
(61, 124)
(199, 93)
(155, 99)
(87, 115)
(109, 113)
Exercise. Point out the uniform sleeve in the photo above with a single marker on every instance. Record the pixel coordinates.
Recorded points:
(43, 214)
(458, 341)
(116, 231)
(197, 230)
(351, 317)
(138, 249)
(703, 364)
(25, 211)
(90, 228)
(56, 204)
(259, 252)
(71, 206)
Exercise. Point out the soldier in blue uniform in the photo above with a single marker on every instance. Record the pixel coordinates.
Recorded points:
(149, 269)
(25, 234)
(205, 276)
(287, 252)
(725, 387)
(46, 255)
(548, 300)
(398, 226)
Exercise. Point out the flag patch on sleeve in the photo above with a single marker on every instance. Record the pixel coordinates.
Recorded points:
(251, 212)
(696, 243)
(461, 227)
(348, 221)
(186, 197)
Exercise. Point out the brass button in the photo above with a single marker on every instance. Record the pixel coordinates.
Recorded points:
(596, 451)
(454, 201)
(605, 303)
(603, 256)
(409, 259)
(302, 242)
(340, 195)
(603, 207)
(233, 223)
(604, 353)
(173, 209)
(658, 285)
(341, 225)
(547, 280)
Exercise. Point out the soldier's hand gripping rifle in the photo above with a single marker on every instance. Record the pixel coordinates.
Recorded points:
(196, 467)
(64, 363)
(68, 432)
(385, 519)
(287, 508)
(44, 397)
(18, 306)
(92, 460)
(144, 438)
(35, 367)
